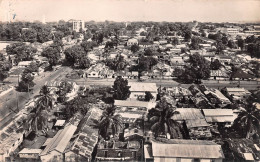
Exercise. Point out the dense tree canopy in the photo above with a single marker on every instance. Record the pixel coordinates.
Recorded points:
(77, 56)
(198, 68)
(21, 51)
(53, 55)
(121, 89)
(134, 48)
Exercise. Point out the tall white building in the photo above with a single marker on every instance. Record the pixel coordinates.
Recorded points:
(77, 25)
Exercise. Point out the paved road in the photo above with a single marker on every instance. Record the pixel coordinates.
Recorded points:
(169, 83)
(8, 102)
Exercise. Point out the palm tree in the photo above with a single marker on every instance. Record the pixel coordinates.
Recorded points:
(248, 121)
(160, 117)
(44, 99)
(109, 120)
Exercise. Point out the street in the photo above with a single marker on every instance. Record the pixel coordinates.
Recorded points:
(13, 100)
(168, 83)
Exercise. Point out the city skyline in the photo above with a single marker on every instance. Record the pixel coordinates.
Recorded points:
(134, 10)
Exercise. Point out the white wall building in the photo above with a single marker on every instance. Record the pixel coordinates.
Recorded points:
(77, 25)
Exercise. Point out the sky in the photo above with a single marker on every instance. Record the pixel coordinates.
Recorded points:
(133, 10)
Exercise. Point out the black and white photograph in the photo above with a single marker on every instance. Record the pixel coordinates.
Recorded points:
(129, 80)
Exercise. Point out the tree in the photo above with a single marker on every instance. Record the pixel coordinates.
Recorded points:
(247, 123)
(241, 43)
(116, 64)
(215, 65)
(146, 63)
(37, 121)
(195, 43)
(148, 96)
(44, 99)
(110, 120)
(148, 52)
(88, 45)
(2, 57)
(121, 89)
(134, 48)
(77, 56)
(21, 51)
(64, 88)
(187, 35)
(220, 47)
(225, 40)
(29, 35)
(254, 49)
(53, 55)
(26, 82)
(175, 41)
(198, 69)
(203, 34)
(161, 119)
(231, 44)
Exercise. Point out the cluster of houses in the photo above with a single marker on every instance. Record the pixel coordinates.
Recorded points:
(202, 111)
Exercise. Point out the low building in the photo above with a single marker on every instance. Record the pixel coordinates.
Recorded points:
(187, 114)
(24, 64)
(145, 44)
(9, 145)
(56, 147)
(236, 93)
(81, 148)
(119, 151)
(28, 153)
(225, 117)
(184, 150)
(125, 105)
(216, 97)
(132, 41)
(220, 74)
(138, 90)
(198, 129)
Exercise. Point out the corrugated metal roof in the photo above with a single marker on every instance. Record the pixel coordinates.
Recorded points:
(196, 123)
(188, 114)
(220, 119)
(88, 136)
(218, 112)
(30, 151)
(186, 150)
(60, 140)
(142, 87)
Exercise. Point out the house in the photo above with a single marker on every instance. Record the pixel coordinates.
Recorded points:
(119, 151)
(136, 105)
(220, 74)
(225, 117)
(56, 147)
(177, 92)
(163, 42)
(216, 97)
(198, 129)
(9, 145)
(241, 75)
(243, 149)
(138, 90)
(132, 41)
(24, 64)
(145, 44)
(28, 153)
(177, 61)
(184, 150)
(236, 93)
(224, 59)
(81, 148)
(187, 114)
(99, 70)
